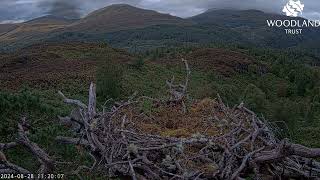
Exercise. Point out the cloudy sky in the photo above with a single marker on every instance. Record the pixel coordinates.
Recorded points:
(21, 10)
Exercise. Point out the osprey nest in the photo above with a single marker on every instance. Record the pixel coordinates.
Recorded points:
(175, 138)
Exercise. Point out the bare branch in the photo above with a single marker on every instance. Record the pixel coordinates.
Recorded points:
(74, 141)
(42, 156)
(5, 146)
(92, 101)
(285, 149)
(71, 101)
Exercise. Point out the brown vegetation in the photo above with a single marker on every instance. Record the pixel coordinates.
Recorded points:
(123, 17)
(36, 27)
(109, 19)
(4, 28)
(171, 140)
(49, 64)
(224, 61)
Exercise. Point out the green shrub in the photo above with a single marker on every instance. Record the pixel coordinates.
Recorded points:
(109, 77)
(147, 106)
(14, 105)
(254, 97)
(286, 111)
(21, 102)
(228, 92)
(139, 63)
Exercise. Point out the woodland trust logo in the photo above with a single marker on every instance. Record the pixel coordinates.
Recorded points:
(293, 9)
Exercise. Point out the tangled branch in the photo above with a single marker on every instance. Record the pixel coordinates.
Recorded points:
(242, 143)
(6, 167)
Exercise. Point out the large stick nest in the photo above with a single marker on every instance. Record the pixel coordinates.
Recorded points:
(176, 138)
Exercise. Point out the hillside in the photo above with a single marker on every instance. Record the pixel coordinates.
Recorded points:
(48, 65)
(123, 17)
(223, 61)
(33, 30)
(50, 19)
(131, 28)
(235, 18)
(4, 28)
(247, 28)
(252, 24)
(93, 27)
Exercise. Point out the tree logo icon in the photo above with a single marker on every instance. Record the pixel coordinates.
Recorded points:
(293, 8)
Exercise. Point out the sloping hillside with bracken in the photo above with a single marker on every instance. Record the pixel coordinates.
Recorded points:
(123, 17)
(33, 31)
(47, 65)
(4, 28)
(131, 28)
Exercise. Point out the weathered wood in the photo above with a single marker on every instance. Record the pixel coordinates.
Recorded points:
(72, 101)
(17, 169)
(42, 156)
(244, 163)
(3, 157)
(92, 101)
(285, 149)
(74, 141)
(5, 146)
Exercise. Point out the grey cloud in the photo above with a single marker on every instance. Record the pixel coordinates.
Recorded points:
(61, 8)
(187, 8)
(12, 21)
(18, 10)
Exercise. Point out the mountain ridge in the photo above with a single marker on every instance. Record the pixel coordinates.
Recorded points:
(122, 17)
(50, 19)
(126, 26)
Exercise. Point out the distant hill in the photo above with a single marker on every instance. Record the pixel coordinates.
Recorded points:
(4, 28)
(252, 24)
(38, 28)
(93, 27)
(122, 17)
(125, 26)
(244, 27)
(50, 19)
(235, 18)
